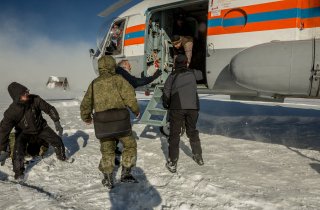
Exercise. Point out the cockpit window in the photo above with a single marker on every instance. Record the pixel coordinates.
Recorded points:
(115, 38)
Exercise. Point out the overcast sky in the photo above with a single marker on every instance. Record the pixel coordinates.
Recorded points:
(40, 38)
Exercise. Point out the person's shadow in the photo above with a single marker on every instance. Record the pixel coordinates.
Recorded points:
(164, 146)
(135, 196)
(186, 148)
(71, 142)
(315, 166)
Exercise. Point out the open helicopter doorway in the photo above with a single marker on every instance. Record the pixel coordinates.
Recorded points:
(188, 19)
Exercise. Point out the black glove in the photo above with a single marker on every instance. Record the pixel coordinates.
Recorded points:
(3, 156)
(157, 74)
(59, 128)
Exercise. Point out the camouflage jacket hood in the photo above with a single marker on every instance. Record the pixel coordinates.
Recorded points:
(107, 65)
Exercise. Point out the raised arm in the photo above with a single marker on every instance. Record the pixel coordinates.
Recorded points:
(128, 95)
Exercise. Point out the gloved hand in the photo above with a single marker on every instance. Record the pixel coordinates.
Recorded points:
(59, 128)
(3, 156)
(157, 74)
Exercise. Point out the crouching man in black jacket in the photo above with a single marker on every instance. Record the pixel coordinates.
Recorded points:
(24, 113)
(181, 98)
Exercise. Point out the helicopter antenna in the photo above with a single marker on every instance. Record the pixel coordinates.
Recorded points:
(114, 7)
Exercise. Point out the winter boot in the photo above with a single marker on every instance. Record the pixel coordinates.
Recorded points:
(126, 176)
(60, 153)
(198, 159)
(19, 176)
(107, 181)
(171, 166)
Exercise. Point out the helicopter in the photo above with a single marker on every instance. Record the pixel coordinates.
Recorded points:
(260, 50)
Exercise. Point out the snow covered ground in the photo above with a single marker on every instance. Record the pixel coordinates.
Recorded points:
(257, 156)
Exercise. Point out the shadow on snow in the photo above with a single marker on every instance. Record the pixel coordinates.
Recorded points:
(291, 127)
(135, 196)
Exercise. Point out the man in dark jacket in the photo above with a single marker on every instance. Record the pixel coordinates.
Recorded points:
(24, 113)
(124, 69)
(181, 98)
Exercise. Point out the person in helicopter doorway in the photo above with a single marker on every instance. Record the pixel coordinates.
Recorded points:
(116, 39)
(183, 45)
(181, 25)
(24, 114)
(181, 98)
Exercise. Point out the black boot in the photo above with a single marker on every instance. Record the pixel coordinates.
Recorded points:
(19, 176)
(171, 166)
(126, 176)
(60, 153)
(198, 159)
(107, 181)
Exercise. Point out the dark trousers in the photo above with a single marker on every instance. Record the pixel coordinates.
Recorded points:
(47, 135)
(177, 118)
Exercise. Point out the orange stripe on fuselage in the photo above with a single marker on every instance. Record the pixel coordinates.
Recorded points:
(134, 41)
(311, 22)
(136, 28)
(269, 7)
(306, 4)
(271, 24)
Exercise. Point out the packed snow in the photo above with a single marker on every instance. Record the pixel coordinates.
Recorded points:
(257, 156)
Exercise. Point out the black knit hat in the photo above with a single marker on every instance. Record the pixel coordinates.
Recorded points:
(181, 61)
(16, 90)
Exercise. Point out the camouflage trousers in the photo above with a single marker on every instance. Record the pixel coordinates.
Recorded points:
(107, 148)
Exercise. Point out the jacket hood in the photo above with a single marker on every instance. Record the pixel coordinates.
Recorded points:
(16, 90)
(107, 65)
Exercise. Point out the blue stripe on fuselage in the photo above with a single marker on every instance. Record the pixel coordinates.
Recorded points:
(133, 35)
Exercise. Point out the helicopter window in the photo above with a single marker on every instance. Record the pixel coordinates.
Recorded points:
(115, 39)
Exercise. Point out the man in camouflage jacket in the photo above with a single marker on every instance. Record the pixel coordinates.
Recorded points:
(111, 91)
